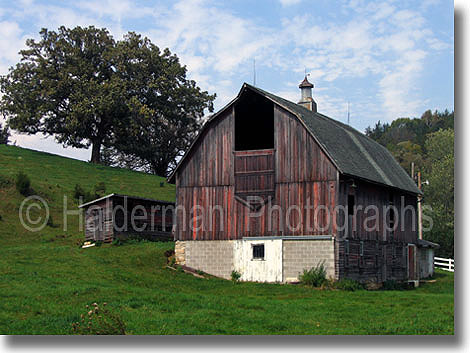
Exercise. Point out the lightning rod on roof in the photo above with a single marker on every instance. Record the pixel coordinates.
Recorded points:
(348, 112)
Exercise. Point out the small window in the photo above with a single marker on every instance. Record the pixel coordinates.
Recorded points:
(346, 247)
(258, 251)
(361, 249)
(350, 205)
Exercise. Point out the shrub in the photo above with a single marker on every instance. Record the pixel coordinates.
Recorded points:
(78, 192)
(98, 243)
(23, 184)
(170, 257)
(100, 189)
(348, 285)
(315, 277)
(5, 182)
(373, 285)
(98, 320)
(117, 242)
(235, 275)
(169, 253)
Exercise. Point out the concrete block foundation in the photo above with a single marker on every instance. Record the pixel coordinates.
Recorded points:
(284, 258)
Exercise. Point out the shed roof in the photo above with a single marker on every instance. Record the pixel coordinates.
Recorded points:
(127, 196)
(427, 244)
(352, 152)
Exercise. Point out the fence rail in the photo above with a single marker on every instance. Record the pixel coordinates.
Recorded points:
(444, 264)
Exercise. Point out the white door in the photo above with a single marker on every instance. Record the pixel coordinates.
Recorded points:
(259, 260)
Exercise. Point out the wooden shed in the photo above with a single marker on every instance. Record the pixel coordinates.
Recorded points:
(270, 188)
(121, 216)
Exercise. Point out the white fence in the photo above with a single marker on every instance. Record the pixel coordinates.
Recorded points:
(444, 264)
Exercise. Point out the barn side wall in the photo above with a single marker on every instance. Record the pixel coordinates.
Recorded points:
(374, 253)
(303, 177)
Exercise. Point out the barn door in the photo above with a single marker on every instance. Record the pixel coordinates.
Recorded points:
(412, 266)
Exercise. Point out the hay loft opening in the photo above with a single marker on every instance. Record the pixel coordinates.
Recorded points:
(254, 122)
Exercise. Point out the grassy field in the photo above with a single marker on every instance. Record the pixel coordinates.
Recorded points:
(46, 279)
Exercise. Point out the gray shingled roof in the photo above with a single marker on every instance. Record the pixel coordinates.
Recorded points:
(352, 152)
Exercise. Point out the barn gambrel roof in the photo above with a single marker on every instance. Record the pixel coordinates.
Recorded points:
(353, 153)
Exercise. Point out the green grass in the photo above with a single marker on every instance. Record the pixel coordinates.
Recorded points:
(46, 279)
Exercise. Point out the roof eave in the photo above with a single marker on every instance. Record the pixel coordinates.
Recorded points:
(416, 193)
(120, 195)
(96, 200)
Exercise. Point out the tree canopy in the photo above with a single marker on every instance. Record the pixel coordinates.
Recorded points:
(406, 137)
(439, 194)
(428, 142)
(87, 89)
(165, 108)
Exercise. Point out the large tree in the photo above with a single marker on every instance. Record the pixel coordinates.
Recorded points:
(86, 89)
(166, 109)
(65, 86)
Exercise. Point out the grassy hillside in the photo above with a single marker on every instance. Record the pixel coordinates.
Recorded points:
(46, 279)
(53, 177)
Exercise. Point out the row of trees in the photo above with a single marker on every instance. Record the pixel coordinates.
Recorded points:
(428, 142)
(87, 89)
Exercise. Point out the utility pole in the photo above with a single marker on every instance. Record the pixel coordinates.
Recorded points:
(420, 210)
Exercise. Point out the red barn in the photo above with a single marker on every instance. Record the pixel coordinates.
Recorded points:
(270, 188)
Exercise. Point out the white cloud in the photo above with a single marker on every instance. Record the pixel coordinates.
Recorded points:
(209, 37)
(10, 34)
(381, 43)
(289, 2)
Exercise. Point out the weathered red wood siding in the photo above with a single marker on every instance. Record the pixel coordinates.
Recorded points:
(99, 221)
(153, 220)
(295, 173)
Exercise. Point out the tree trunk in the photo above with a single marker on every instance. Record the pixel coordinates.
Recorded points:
(96, 152)
(159, 169)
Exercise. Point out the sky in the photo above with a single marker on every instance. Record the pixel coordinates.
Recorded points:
(387, 58)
